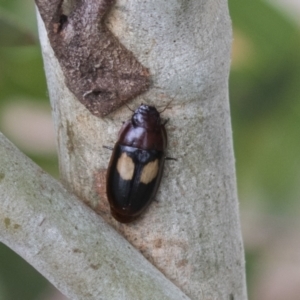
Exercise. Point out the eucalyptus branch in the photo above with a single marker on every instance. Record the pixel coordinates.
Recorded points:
(66, 241)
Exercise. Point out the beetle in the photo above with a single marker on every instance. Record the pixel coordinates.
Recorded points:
(136, 165)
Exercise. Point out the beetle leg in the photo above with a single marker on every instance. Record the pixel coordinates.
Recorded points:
(109, 148)
(165, 122)
(170, 158)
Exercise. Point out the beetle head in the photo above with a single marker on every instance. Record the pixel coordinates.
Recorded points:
(146, 116)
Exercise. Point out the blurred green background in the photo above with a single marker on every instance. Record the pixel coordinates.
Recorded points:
(264, 95)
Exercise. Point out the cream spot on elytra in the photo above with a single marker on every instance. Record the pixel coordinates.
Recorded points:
(149, 172)
(125, 167)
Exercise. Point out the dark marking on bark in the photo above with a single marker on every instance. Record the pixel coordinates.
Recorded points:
(2, 176)
(158, 243)
(102, 206)
(98, 69)
(182, 263)
(17, 226)
(76, 250)
(95, 266)
(41, 223)
(7, 222)
(70, 141)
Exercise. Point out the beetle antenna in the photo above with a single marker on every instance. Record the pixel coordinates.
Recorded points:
(129, 107)
(166, 106)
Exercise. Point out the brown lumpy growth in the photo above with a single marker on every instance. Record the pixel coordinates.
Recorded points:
(98, 69)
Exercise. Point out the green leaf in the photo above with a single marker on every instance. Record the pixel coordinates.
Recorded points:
(12, 33)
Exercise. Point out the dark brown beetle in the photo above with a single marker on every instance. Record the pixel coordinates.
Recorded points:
(136, 164)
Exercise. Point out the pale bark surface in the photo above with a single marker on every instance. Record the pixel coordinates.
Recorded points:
(66, 241)
(192, 232)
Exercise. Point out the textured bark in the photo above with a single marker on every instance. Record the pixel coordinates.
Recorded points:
(192, 232)
(66, 241)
